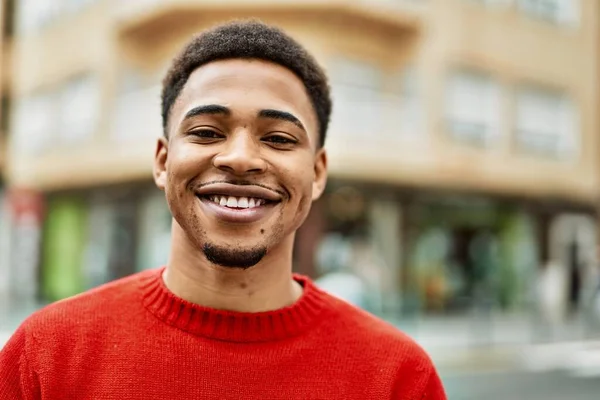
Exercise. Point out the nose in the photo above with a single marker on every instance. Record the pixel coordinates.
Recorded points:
(240, 155)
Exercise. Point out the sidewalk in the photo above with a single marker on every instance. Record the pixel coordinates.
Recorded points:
(461, 345)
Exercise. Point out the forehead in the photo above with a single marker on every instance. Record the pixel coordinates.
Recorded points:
(247, 86)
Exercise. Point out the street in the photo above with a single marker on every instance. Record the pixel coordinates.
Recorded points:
(521, 386)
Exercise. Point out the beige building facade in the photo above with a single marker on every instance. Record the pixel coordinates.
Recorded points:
(434, 39)
(453, 120)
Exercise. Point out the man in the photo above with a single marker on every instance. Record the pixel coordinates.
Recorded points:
(245, 111)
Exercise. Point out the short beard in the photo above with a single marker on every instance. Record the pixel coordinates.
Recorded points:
(234, 258)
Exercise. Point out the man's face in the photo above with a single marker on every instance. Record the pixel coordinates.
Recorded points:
(241, 166)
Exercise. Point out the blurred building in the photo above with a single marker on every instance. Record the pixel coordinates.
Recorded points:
(5, 33)
(463, 148)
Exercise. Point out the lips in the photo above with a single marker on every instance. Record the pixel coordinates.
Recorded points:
(237, 203)
(239, 191)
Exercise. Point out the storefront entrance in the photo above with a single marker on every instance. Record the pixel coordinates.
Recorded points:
(470, 254)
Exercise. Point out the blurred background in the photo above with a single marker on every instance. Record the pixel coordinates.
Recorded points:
(464, 168)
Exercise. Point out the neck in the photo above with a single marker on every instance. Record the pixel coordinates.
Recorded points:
(266, 286)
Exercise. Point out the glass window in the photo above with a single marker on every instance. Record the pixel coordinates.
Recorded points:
(409, 117)
(97, 248)
(546, 122)
(495, 3)
(154, 231)
(357, 91)
(35, 122)
(473, 107)
(558, 11)
(26, 16)
(137, 110)
(34, 14)
(80, 108)
(137, 115)
(76, 5)
(131, 80)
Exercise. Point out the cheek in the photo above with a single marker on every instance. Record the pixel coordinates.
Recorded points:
(299, 182)
(304, 207)
(185, 163)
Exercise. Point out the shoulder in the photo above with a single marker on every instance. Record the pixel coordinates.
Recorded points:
(373, 334)
(85, 310)
(382, 347)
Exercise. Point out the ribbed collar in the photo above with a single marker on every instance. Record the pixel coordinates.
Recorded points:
(229, 325)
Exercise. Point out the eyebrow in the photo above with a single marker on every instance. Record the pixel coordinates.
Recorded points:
(282, 116)
(209, 109)
(216, 109)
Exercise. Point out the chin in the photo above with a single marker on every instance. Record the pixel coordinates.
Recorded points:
(234, 256)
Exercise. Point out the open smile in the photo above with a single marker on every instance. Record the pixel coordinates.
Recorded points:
(237, 203)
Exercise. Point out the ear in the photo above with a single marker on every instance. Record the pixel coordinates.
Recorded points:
(320, 180)
(160, 163)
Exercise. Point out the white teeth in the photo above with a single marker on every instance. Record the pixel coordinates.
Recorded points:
(232, 202)
(243, 202)
(237, 202)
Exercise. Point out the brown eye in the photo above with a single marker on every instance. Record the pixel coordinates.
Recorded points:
(206, 134)
(278, 139)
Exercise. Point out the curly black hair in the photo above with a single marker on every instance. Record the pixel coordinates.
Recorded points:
(249, 39)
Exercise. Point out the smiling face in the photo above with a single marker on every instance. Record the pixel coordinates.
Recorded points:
(241, 166)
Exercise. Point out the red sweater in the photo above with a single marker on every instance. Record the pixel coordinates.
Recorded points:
(133, 339)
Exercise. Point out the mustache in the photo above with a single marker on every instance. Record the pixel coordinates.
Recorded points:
(242, 182)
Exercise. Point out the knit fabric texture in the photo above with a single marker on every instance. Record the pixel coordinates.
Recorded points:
(134, 339)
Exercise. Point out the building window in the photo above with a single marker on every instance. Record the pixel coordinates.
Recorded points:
(80, 108)
(154, 230)
(35, 14)
(35, 122)
(546, 123)
(410, 113)
(357, 91)
(65, 114)
(494, 3)
(473, 107)
(556, 11)
(137, 110)
(76, 5)
(137, 115)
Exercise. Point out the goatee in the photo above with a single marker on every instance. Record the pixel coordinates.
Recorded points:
(232, 257)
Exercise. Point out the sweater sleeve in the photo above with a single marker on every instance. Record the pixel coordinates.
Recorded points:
(17, 380)
(434, 390)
